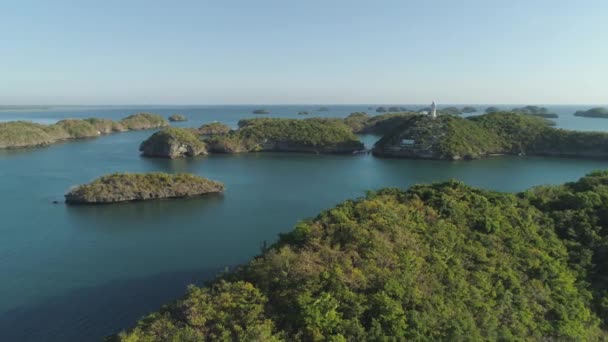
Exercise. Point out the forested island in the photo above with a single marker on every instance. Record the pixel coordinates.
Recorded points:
(453, 138)
(313, 135)
(177, 118)
(598, 112)
(123, 187)
(535, 111)
(443, 262)
(261, 111)
(18, 134)
(173, 143)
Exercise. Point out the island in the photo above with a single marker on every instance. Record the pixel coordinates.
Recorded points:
(261, 111)
(303, 113)
(468, 109)
(598, 112)
(535, 111)
(214, 128)
(500, 133)
(177, 118)
(314, 135)
(441, 262)
(125, 187)
(21, 134)
(173, 143)
(381, 110)
(492, 109)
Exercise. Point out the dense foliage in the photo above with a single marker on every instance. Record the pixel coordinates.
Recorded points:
(314, 135)
(439, 262)
(214, 128)
(177, 117)
(361, 122)
(494, 133)
(172, 143)
(492, 109)
(121, 187)
(143, 121)
(598, 112)
(468, 109)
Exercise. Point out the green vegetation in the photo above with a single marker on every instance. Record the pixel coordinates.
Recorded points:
(494, 133)
(535, 111)
(177, 117)
(18, 134)
(309, 135)
(362, 123)
(442, 262)
(121, 187)
(381, 110)
(173, 143)
(78, 128)
(214, 128)
(261, 111)
(105, 126)
(143, 121)
(597, 112)
(492, 110)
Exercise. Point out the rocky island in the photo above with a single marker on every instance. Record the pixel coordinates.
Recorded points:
(19, 134)
(261, 111)
(598, 112)
(441, 262)
(177, 118)
(173, 143)
(454, 138)
(123, 187)
(312, 135)
(214, 128)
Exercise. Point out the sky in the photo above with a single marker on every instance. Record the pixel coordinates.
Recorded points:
(303, 52)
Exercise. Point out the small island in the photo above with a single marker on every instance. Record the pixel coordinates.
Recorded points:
(535, 111)
(598, 112)
(20, 134)
(124, 187)
(261, 111)
(314, 135)
(303, 113)
(323, 109)
(173, 143)
(214, 128)
(492, 109)
(468, 109)
(177, 118)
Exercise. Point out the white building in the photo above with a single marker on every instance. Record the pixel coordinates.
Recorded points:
(433, 110)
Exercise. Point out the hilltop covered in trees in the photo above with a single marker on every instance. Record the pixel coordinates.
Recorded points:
(435, 262)
(598, 112)
(16, 134)
(310, 135)
(450, 137)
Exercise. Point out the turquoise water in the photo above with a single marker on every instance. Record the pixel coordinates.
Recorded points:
(79, 273)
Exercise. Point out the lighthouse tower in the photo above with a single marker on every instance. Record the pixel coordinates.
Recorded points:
(434, 110)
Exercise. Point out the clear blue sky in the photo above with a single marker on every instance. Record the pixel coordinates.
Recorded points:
(313, 51)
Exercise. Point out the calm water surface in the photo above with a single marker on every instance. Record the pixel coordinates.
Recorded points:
(79, 273)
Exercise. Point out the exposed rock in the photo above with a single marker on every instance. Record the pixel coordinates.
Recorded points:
(173, 143)
(138, 187)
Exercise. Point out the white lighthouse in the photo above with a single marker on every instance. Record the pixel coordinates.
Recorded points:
(433, 110)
